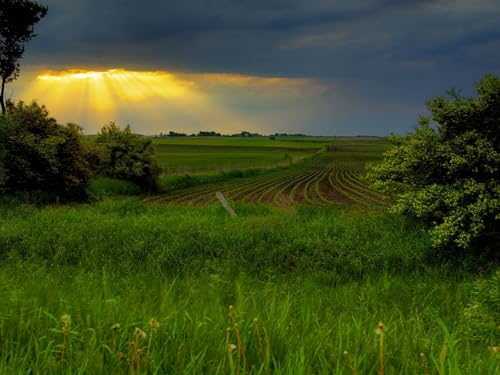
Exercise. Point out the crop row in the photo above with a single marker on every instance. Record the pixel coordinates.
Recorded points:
(324, 181)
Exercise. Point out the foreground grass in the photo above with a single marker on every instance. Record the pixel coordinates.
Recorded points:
(305, 327)
(79, 285)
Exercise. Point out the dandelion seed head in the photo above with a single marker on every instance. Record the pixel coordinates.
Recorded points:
(380, 328)
(65, 318)
(140, 333)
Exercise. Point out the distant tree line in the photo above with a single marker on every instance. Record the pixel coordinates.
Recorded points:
(289, 135)
(244, 133)
(208, 134)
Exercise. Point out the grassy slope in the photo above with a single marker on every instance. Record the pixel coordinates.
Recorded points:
(317, 280)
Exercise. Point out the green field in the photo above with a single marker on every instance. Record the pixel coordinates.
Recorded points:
(178, 155)
(332, 177)
(317, 280)
(296, 283)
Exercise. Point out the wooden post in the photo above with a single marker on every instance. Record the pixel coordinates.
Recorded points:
(225, 204)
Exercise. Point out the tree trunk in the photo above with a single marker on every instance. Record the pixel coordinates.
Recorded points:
(2, 101)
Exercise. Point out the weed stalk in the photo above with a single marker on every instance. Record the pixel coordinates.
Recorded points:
(380, 332)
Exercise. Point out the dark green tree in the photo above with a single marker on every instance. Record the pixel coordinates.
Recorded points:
(17, 19)
(42, 155)
(124, 155)
(447, 174)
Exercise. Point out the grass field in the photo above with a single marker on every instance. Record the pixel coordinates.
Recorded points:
(313, 276)
(80, 284)
(178, 155)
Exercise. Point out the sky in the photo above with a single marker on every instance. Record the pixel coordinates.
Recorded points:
(319, 67)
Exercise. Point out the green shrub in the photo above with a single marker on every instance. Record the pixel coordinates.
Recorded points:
(124, 155)
(448, 175)
(42, 155)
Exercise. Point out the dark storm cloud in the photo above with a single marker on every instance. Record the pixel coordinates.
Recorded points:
(400, 51)
(249, 36)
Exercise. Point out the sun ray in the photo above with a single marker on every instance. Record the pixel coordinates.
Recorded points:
(161, 99)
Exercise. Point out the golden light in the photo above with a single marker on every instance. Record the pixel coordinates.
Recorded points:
(96, 97)
(124, 84)
(159, 99)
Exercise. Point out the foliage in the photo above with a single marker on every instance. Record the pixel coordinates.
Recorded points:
(17, 18)
(128, 156)
(448, 175)
(42, 155)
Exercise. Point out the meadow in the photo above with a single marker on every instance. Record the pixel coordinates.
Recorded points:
(166, 284)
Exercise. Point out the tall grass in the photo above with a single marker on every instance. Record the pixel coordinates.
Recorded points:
(305, 326)
(122, 287)
(336, 244)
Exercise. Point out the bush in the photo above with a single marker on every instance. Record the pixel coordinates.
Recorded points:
(42, 155)
(448, 175)
(127, 156)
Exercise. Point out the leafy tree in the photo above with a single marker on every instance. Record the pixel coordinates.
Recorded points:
(447, 173)
(42, 155)
(127, 156)
(17, 18)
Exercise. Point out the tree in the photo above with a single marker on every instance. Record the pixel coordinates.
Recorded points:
(124, 155)
(447, 174)
(42, 155)
(17, 19)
